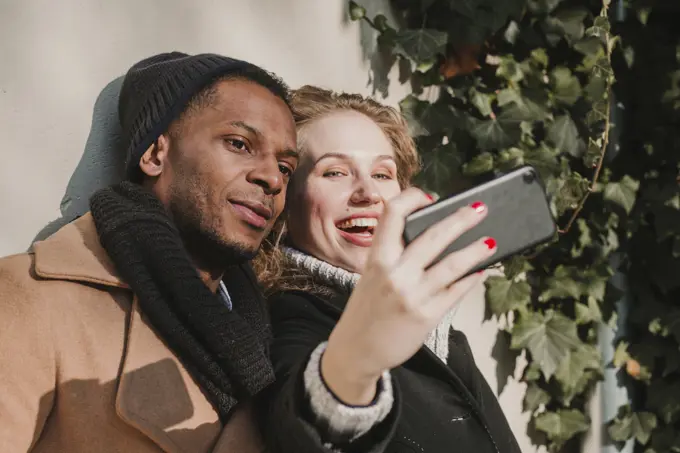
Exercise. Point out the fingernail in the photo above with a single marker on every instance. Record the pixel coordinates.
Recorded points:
(490, 243)
(478, 206)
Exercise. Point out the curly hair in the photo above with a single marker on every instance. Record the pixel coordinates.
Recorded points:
(308, 104)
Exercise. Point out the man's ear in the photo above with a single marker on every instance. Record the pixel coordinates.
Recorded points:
(155, 158)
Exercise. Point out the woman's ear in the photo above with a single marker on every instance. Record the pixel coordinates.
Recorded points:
(155, 158)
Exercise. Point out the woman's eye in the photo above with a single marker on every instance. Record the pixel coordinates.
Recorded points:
(382, 176)
(333, 174)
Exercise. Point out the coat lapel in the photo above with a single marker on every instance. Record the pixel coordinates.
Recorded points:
(157, 395)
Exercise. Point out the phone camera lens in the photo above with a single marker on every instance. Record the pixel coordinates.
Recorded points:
(529, 177)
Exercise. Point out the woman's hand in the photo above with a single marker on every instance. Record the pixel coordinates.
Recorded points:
(397, 301)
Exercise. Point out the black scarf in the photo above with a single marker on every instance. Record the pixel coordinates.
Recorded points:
(223, 350)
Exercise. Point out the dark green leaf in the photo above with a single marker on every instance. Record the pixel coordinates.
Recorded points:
(637, 424)
(588, 313)
(482, 101)
(564, 284)
(508, 69)
(480, 164)
(421, 46)
(504, 295)
(543, 6)
(567, 23)
(543, 159)
(491, 134)
(549, 338)
(534, 398)
(565, 137)
(425, 118)
(441, 167)
(571, 369)
(596, 90)
(664, 399)
(509, 159)
(621, 355)
(566, 87)
(589, 45)
(516, 265)
(562, 425)
(356, 11)
(623, 192)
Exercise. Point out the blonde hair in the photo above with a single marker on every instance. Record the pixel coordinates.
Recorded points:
(310, 103)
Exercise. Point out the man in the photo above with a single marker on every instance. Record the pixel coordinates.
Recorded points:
(140, 327)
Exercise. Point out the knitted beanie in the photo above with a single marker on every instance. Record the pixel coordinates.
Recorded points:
(157, 90)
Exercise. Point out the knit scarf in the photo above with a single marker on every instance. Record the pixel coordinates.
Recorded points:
(437, 341)
(224, 350)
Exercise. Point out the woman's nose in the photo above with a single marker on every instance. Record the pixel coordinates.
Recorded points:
(366, 192)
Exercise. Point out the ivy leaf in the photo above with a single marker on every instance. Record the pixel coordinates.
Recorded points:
(621, 355)
(480, 164)
(629, 424)
(542, 159)
(664, 399)
(588, 313)
(510, 70)
(516, 265)
(565, 85)
(356, 11)
(623, 193)
(534, 398)
(490, 134)
(571, 369)
(441, 167)
(503, 295)
(564, 283)
(567, 24)
(549, 338)
(584, 240)
(564, 136)
(541, 7)
(428, 118)
(589, 45)
(421, 46)
(562, 425)
(482, 101)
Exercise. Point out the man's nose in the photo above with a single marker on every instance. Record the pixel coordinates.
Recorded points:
(267, 174)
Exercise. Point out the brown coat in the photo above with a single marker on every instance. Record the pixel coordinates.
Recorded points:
(81, 370)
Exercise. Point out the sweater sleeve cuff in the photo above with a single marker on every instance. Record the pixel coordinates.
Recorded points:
(340, 421)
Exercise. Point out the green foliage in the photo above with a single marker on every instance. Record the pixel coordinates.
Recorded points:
(530, 82)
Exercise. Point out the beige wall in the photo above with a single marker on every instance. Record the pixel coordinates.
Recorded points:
(57, 56)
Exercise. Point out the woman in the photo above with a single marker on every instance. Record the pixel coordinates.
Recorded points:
(383, 342)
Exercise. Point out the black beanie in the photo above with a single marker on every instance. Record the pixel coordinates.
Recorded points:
(156, 91)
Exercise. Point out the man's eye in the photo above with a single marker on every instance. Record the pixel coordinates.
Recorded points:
(333, 174)
(286, 170)
(238, 144)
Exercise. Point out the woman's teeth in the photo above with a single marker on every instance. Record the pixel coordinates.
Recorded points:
(365, 222)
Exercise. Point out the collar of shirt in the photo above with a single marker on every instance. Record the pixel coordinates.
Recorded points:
(224, 295)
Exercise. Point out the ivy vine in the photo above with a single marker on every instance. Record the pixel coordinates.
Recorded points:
(499, 84)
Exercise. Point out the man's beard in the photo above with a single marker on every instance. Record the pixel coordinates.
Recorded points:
(203, 242)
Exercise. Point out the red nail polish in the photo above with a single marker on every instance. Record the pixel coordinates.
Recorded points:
(478, 206)
(491, 243)
(429, 197)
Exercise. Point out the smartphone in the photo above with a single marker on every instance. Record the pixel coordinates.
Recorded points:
(518, 218)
